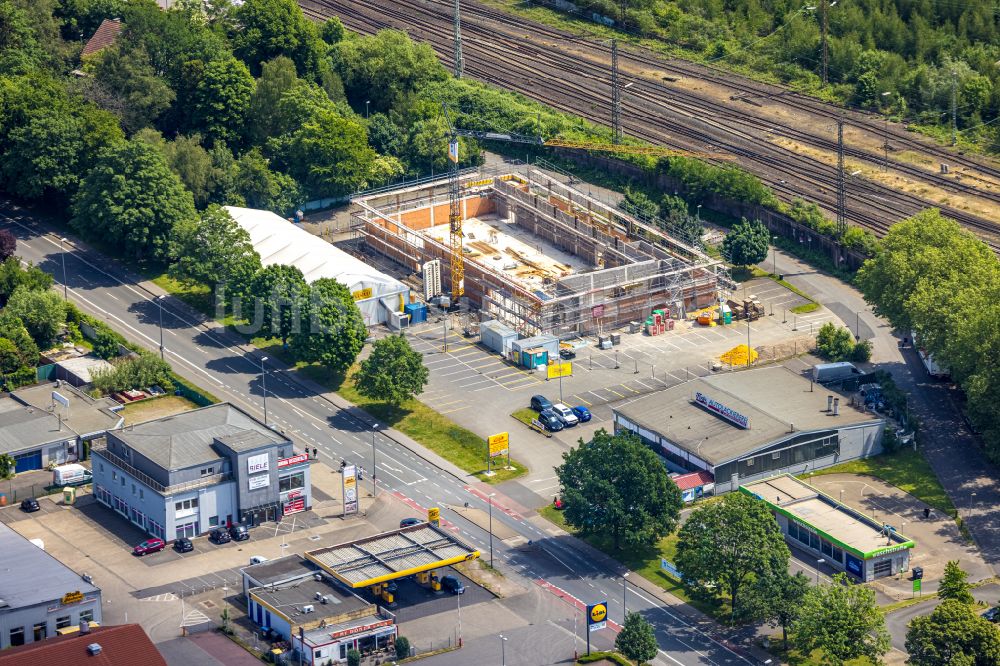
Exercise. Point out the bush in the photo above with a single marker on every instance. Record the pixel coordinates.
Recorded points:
(862, 352)
(133, 373)
(353, 658)
(402, 648)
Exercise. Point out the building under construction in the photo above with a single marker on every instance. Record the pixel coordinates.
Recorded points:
(540, 255)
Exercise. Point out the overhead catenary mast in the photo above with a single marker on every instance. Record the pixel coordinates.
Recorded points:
(459, 64)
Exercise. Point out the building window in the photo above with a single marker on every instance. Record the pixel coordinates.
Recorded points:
(208, 471)
(87, 615)
(139, 518)
(17, 636)
(749, 462)
(62, 622)
(186, 507)
(133, 490)
(318, 654)
(100, 466)
(837, 555)
(140, 493)
(291, 482)
(41, 631)
(114, 475)
(187, 530)
(121, 506)
(123, 480)
(213, 521)
(155, 528)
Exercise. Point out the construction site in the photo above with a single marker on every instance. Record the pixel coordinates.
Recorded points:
(536, 253)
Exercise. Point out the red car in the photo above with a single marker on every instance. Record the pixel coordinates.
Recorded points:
(153, 545)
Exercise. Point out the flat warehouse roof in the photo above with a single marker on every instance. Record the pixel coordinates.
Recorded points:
(391, 555)
(771, 399)
(837, 522)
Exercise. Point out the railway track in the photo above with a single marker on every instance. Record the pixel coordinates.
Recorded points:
(575, 79)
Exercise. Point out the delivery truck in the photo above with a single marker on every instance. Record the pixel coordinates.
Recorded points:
(933, 369)
(826, 373)
(71, 475)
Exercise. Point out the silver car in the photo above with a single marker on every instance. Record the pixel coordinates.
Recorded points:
(565, 414)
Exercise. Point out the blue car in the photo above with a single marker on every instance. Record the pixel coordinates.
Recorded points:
(582, 413)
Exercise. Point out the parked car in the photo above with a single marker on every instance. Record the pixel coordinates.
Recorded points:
(257, 559)
(567, 354)
(582, 413)
(148, 546)
(550, 421)
(409, 522)
(540, 403)
(239, 532)
(565, 415)
(220, 535)
(71, 475)
(452, 584)
(183, 545)
(30, 505)
(993, 614)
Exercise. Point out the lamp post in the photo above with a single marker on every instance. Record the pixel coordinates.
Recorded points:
(263, 385)
(374, 485)
(159, 301)
(503, 650)
(774, 255)
(560, 378)
(62, 243)
(367, 101)
(489, 501)
(748, 342)
(697, 212)
(459, 597)
(885, 137)
(857, 325)
(972, 498)
(624, 596)
(818, 563)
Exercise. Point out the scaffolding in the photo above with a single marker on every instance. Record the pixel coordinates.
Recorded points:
(631, 267)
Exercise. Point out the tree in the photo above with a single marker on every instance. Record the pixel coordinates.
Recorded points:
(783, 594)
(7, 466)
(280, 295)
(195, 167)
(614, 485)
(638, 203)
(746, 243)
(353, 658)
(10, 357)
(402, 647)
(277, 77)
(131, 201)
(19, 49)
(214, 250)
(106, 344)
(729, 546)
(834, 343)
(125, 374)
(271, 28)
(8, 244)
(636, 640)
(334, 330)
(261, 187)
(954, 584)
(953, 634)
(220, 101)
(842, 620)
(13, 275)
(393, 373)
(43, 314)
(12, 328)
(144, 97)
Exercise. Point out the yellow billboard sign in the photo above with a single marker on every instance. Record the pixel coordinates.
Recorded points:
(362, 294)
(72, 598)
(557, 370)
(498, 444)
(434, 515)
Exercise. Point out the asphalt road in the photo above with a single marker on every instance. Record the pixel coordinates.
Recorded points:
(232, 370)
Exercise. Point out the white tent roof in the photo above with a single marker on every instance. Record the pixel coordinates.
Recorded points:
(279, 241)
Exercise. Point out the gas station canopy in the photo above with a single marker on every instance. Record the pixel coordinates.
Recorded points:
(391, 555)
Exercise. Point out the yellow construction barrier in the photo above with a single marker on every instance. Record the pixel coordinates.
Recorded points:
(738, 356)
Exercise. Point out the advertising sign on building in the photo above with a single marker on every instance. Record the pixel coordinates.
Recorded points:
(72, 598)
(259, 481)
(296, 502)
(434, 515)
(294, 460)
(717, 407)
(597, 616)
(498, 444)
(258, 463)
(349, 482)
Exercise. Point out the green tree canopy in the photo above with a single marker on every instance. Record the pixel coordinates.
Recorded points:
(393, 373)
(272, 28)
(214, 250)
(280, 294)
(747, 243)
(219, 103)
(261, 187)
(952, 634)
(834, 343)
(333, 331)
(782, 594)
(842, 621)
(43, 313)
(277, 77)
(636, 640)
(13, 275)
(131, 201)
(12, 328)
(613, 485)
(954, 584)
(10, 357)
(127, 73)
(728, 547)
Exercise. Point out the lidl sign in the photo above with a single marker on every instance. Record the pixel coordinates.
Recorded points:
(597, 616)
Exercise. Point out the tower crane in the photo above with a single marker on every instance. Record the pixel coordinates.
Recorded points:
(455, 190)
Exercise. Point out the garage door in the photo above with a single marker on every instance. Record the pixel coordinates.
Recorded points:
(26, 462)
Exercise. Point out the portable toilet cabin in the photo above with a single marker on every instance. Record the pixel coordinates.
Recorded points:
(417, 312)
(496, 336)
(535, 351)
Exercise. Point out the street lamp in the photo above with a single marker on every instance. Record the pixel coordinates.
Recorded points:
(857, 325)
(885, 136)
(624, 596)
(489, 502)
(374, 485)
(774, 255)
(62, 243)
(263, 385)
(459, 597)
(972, 498)
(503, 650)
(819, 562)
(748, 342)
(159, 301)
(697, 212)
(366, 108)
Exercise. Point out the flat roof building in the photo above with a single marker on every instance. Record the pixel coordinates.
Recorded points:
(182, 475)
(739, 426)
(48, 423)
(39, 595)
(848, 539)
(120, 645)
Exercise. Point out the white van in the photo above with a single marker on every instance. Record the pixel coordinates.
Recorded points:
(71, 475)
(257, 559)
